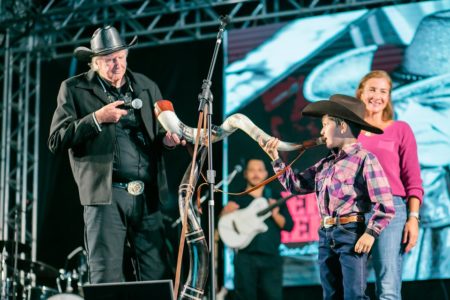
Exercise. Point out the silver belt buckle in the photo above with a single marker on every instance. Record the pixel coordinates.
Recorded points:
(135, 187)
(325, 225)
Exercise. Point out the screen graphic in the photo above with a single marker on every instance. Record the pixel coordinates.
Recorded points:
(309, 59)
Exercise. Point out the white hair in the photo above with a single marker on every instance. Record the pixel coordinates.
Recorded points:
(93, 64)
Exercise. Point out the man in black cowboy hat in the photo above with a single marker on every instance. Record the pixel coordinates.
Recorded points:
(346, 183)
(115, 154)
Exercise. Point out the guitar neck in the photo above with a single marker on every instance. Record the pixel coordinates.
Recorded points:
(272, 206)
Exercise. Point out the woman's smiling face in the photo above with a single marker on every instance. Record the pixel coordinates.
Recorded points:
(376, 94)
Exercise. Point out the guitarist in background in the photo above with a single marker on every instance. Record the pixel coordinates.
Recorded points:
(259, 267)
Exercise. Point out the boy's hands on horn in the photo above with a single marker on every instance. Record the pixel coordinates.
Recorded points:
(271, 147)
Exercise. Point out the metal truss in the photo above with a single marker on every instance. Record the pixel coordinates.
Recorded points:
(19, 127)
(62, 25)
(32, 31)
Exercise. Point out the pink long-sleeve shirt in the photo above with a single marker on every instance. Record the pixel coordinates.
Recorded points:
(396, 150)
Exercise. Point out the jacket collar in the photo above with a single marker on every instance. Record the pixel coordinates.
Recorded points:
(91, 82)
(137, 85)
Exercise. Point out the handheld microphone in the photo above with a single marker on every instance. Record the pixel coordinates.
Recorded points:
(238, 168)
(224, 20)
(134, 104)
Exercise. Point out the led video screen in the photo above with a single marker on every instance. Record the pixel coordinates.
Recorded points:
(271, 72)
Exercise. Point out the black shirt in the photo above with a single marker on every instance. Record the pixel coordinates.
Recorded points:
(133, 158)
(269, 241)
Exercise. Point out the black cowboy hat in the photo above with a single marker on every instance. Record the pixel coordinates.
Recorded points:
(341, 106)
(104, 41)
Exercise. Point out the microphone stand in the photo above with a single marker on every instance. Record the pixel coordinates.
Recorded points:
(206, 99)
(231, 176)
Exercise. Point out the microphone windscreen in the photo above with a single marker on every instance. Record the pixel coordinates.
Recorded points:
(225, 19)
(136, 103)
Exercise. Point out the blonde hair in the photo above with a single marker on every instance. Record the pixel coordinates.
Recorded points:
(388, 112)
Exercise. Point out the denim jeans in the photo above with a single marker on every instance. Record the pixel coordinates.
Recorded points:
(343, 272)
(387, 253)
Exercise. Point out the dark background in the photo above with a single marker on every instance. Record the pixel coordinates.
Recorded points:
(179, 71)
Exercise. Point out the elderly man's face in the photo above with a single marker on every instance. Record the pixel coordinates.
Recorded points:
(112, 67)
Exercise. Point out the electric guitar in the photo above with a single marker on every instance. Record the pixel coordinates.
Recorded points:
(237, 229)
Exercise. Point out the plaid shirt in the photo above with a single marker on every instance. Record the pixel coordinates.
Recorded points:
(345, 183)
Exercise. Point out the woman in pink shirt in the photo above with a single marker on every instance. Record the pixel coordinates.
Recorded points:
(396, 149)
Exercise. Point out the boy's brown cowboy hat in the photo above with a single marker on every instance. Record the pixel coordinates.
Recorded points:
(341, 106)
(104, 41)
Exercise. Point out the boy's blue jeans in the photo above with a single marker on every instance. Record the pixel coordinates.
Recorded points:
(343, 272)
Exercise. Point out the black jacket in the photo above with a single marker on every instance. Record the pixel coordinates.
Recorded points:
(90, 150)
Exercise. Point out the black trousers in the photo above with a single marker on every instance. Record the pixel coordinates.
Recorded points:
(258, 276)
(108, 228)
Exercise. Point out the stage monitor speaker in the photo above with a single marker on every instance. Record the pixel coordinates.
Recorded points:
(142, 290)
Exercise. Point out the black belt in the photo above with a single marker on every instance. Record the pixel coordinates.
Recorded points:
(135, 187)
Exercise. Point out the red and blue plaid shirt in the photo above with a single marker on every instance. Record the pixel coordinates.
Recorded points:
(349, 182)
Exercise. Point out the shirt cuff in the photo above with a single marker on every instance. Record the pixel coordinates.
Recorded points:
(277, 163)
(372, 232)
(168, 147)
(416, 192)
(96, 122)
